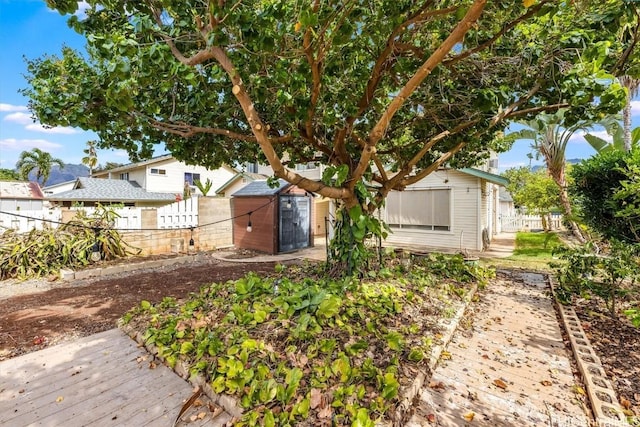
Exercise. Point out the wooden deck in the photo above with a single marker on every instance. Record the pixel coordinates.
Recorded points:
(101, 380)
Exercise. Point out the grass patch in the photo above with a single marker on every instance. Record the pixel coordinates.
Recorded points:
(533, 251)
(300, 349)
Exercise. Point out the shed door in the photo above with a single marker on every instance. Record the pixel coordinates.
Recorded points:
(294, 223)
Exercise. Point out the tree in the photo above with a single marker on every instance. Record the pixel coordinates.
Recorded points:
(632, 85)
(39, 161)
(535, 190)
(550, 140)
(607, 189)
(8, 175)
(381, 92)
(91, 158)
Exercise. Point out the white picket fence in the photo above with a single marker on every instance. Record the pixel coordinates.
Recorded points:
(183, 214)
(26, 220)
(129, 218)
(513, 223)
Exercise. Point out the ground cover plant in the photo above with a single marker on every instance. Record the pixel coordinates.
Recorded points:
(300, 349)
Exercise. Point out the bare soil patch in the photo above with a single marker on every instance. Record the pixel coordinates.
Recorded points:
(39, 313)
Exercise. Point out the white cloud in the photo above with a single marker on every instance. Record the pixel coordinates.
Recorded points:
(22, 144)
(635, 108)
(19, 117)
(82, 9)
(10, 108)
(37, 127)
(603, 135)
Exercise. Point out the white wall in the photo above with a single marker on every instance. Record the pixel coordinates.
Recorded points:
(173, 179)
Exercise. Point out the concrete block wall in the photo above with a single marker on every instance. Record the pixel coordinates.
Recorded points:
(214, 223)
(214, 230)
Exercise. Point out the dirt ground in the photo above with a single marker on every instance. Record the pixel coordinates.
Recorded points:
(31, 318)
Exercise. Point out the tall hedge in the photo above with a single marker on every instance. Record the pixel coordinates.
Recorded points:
(600, 189)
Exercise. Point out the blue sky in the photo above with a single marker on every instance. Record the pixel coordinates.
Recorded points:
(29, 29)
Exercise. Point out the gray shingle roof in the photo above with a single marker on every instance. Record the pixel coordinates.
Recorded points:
(109, 190)
(260, 188)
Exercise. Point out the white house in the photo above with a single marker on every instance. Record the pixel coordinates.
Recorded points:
(453, 209)
(165, 174)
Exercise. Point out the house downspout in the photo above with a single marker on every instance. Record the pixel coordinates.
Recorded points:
(479, 218)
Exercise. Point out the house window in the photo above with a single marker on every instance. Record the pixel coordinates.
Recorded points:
(158, 171)
(420, 209)
(191, 178)
(251, 167)
(124, 176)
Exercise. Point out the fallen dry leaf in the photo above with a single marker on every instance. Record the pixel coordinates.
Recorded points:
(325, 412)
(546, 383)
(469, 416)
(59, 399)
(316, 398)
(431, 418)
(436, 385)
(579, 390)
(445, 355)
(625, 403)
(201, 415)
(499, 383)
(193, 418)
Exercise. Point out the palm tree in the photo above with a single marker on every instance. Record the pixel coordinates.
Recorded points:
(550, 141)
(633, 88)
(37, 160)
(91, 158)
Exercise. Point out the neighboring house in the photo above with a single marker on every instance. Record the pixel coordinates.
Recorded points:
(238, 181)
(449, 209)
(59, 188)
(21, 196)
(165, 174)
(507, 207)
(91, 191)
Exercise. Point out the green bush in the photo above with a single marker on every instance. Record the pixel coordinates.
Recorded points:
(610, 277)
(606, 188)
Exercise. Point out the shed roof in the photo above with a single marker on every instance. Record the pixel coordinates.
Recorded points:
(496, 179)
(261, 188)
(240, 175)
(20, 190)
(109, 190)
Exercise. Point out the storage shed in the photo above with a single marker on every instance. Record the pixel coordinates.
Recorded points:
(279, 218)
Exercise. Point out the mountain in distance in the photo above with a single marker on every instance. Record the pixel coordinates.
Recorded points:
(568, 161)
(68, 173)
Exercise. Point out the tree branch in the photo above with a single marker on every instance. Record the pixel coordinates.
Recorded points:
(260, 132)
(530, 12)
(434, 166)
(436, 58)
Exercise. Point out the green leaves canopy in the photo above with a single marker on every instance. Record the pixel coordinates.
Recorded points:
(388, 89)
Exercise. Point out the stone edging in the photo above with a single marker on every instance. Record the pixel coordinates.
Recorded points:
(229, 404)
(603, 399)
(66, 274)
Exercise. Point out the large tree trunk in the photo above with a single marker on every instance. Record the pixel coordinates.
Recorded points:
(626, 120)
(559, 178)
